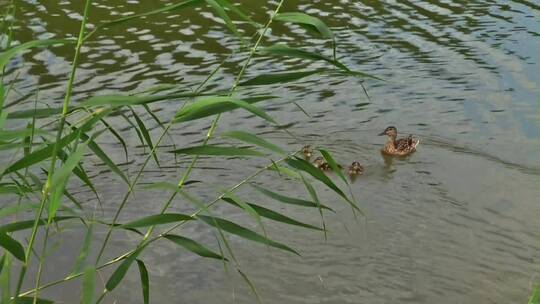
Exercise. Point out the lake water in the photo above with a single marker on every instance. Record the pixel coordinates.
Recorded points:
(457, 222)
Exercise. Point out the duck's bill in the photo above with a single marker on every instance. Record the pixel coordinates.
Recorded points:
(382, 133)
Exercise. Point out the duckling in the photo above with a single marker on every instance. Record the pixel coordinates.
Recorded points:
(321, 164)
(355, 169)
(398, 147)
(307, 151)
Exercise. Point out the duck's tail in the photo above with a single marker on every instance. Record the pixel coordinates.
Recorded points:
(416, 142)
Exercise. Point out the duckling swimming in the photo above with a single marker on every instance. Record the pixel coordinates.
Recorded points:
(355, 169)
(307, 151)
(398, 147)
(321, 164)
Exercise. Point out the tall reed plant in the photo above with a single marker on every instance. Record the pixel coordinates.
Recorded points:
(49, 154)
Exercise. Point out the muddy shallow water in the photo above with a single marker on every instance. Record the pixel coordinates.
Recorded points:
(456, 222)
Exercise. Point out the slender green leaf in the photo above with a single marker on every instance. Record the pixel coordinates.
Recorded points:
(85, 250)
(7, 135)
(223, 15)
(305, 166)
(535, 297)
(217, 150)
(315, 198)
(6, 56)
(215, 105)
(105, 158)
(26, 224)
(5, 279)
(335, 167)
(253, 139)
(122, 269)
(15, 209)
(145, 281)
(157, 219)
(266, 79)
(234, 200)
(287, 199)
(243, 232)
(11, 245)
(36, 113)
(314, 23)
(193, 246)
(71, 162)
(238, 12)
(44, 153)
(270, 214)
(284, 170)
(88, 285)
(250, 284)
(146, 135)
(2, 259)
(1, 98)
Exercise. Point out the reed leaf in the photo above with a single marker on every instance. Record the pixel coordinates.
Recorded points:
(250, 284)
(104, 157)
(89, 280)
(216, 105)
(193, 246)
(226, 4)
(122, 269)
(253, 139)
(270, 214)
(315, 198)
(12, 246)
(335, 167)
(37, 113)
(305, 166)
(145, 281)
(288, 199)
(217, 151)
(146, 135)
(26, 224)
(46, 152)
(266, 79)
(11, 210)
(157, 219)
(6, 56)
(313, 23)
(535, 297)
(5, 277)
(85, 250)
(243, 232)
(223, 15)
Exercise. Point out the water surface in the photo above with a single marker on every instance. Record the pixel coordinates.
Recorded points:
(456, 222)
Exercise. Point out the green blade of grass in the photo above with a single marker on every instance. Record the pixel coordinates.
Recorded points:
(122, 269)
(314, 23)
(46, 152)
(305, 166)
(157, 219)
(217, 151)
(287, 199)
(88, 284)
(240, 231)
(12, 246)
(216, 105)
(315, 198)
(266, 79)
(31, 300)
(223, 15)
(250, 284)
(85, 250)
(253, 139)
(335, 167)
(193, 246)
(145, 281)
(6, 56)
(26, 224)
(146, 135)
(270, 214)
